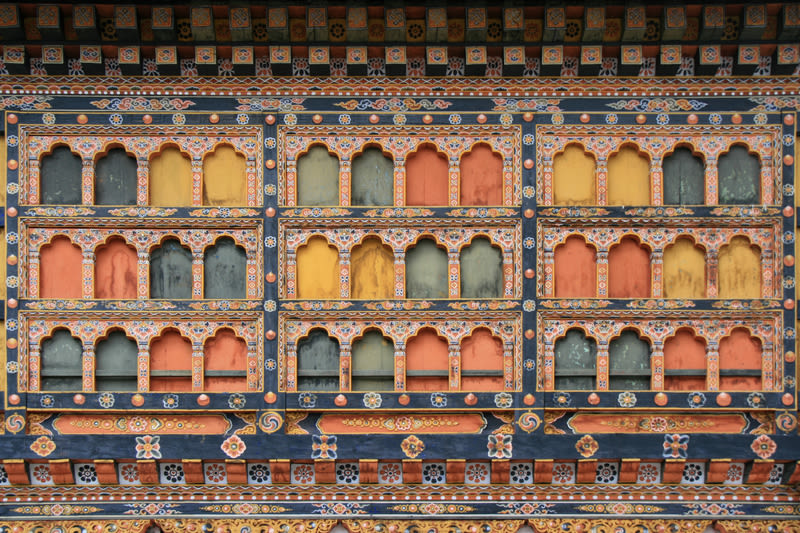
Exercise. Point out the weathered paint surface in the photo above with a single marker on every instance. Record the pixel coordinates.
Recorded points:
(171, 178)
(225, 363)
(482, 352)
(116, 363)
(60, 174)
(317, 270)
(740, 351)
(684, 270)
(629, 362)
(373, 178)
(684, 178)
(225, 270)
(427, 177)
(60, 269)
(739, 177)
(371, 270)
(628, 270)
(574, 181)
(628, 178)
(171, 354)
(115, 179)
(115, 270)
(481, 177)
(318, 177)
(739, 270)
(171, 271)
(426, 271)
(575, 269)
(225, 177)
(481, 270)
(373, 363)
(62, 356)
(318, 362)
(575, 361)
(427, 352)
(684, 352)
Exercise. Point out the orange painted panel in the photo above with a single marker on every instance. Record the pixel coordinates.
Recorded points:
(482, 351)
(575, 269)
(115, 270)
(356, 424)
(741, 351)
(121, 424)
(427, 177)
(684, 351)
(60, 270)
(171, 351)
(632, 422)
(427, 351)
(225, 352)
(628, 270)
(481, 177)
(318, 270)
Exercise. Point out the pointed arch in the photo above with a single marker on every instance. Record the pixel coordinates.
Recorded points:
(371, 270)
(224, 177)
(373, 178)
(318, 177)
(318, 270)
(61, 269)
(427, 177)
(684, 269)
(427, 362)
(482, 361)
(629, 269)
(225, 362)
(629, 177)
(574, 177)
(481, 176)
(575, 269)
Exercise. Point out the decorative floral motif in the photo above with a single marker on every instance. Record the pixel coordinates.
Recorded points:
(170, 401)
(503, 400)
(233, 446)
(106, 400)
(696, 399)
(606, 473)
(390, 473)
(86, 474)
(763, 446)
(676, 446)
(433, 473)
(43, 446)
(412, 446)
(438, 399)
(658, 104)
(562, 399)
(648, 473)
(756, 400)
(587, 446)
(148, 447)
(129, 473)
(372, 400)
(347, 473)
(215, 473)
(500, 446)
(564, 473)
(394, 104)
(626, 399)
(323, 446)
(520, 473)
(236, 401)
(307, 400)
(259, 473)
(172, 473)
(41, 474)
(47, 400)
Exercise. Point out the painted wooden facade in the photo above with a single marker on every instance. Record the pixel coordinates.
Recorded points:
(360, 297)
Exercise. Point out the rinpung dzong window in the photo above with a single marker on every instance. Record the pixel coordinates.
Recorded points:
(171, 271)
(318, 362)
(684, 178)
(372, 363)
(62, 362)
(575, 361)
(116, 363)
(225, 270)
(373, 178)
(60, 173)
(318, 177)
(115, 178)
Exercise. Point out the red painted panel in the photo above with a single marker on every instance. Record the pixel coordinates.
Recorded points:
(575, 269)
(171, 351)
(60, 271)
(115, 271)
(628, 270)
(427, 351)
(740, 351)
(427, 177)
(482, 351)
(225, 351)
(684, 351)
(481, 177)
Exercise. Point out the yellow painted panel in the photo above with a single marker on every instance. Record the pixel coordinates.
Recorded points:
(574, 180)
(224, 178)
(684, 270)
(317, 270)
(739, 270)
(372, 271)
(628, 178)
(171, 179)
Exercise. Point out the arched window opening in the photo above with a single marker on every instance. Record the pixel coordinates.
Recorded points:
(115, 180)
(684, 178)
(739, 269)
(117, 363)
(61, 269)
(629, 270)
(684, 362)
(318, 362)
(60, 173)
(426, 270)
(482, 362)
(225, 362)
(740, 361)
(371, 270)
(629, 362)
(171, 271)
(318, 270)
(62, 362)
(171, 362)
(170, 178)
(575, 265)
(318, 177)
(684, 270)
(225, 270)
(225, 177)
(739, 176)
(427, 177)
(574, 181)
(628, 178)
(373, 178)
(427, 362)
(575, 361)
(481, 176)
(115, 270)
(373, 363)
(481, 270)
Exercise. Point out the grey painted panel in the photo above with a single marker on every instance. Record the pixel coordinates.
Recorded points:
(575, 354)
(628, 354)
(684, 178)
(225, 270)
(373, 363)
(171, 271)
(62, 363)
(61, 177)
(318, 359)
(373, 179)
(426, 271)
(318, 177)
(115, 179)
(481, 270)
(739, 177)
(116, 365)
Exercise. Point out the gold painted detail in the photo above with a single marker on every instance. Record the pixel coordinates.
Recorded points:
(417, 423)
(647, 423)
(75, 424)
(56, 510)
